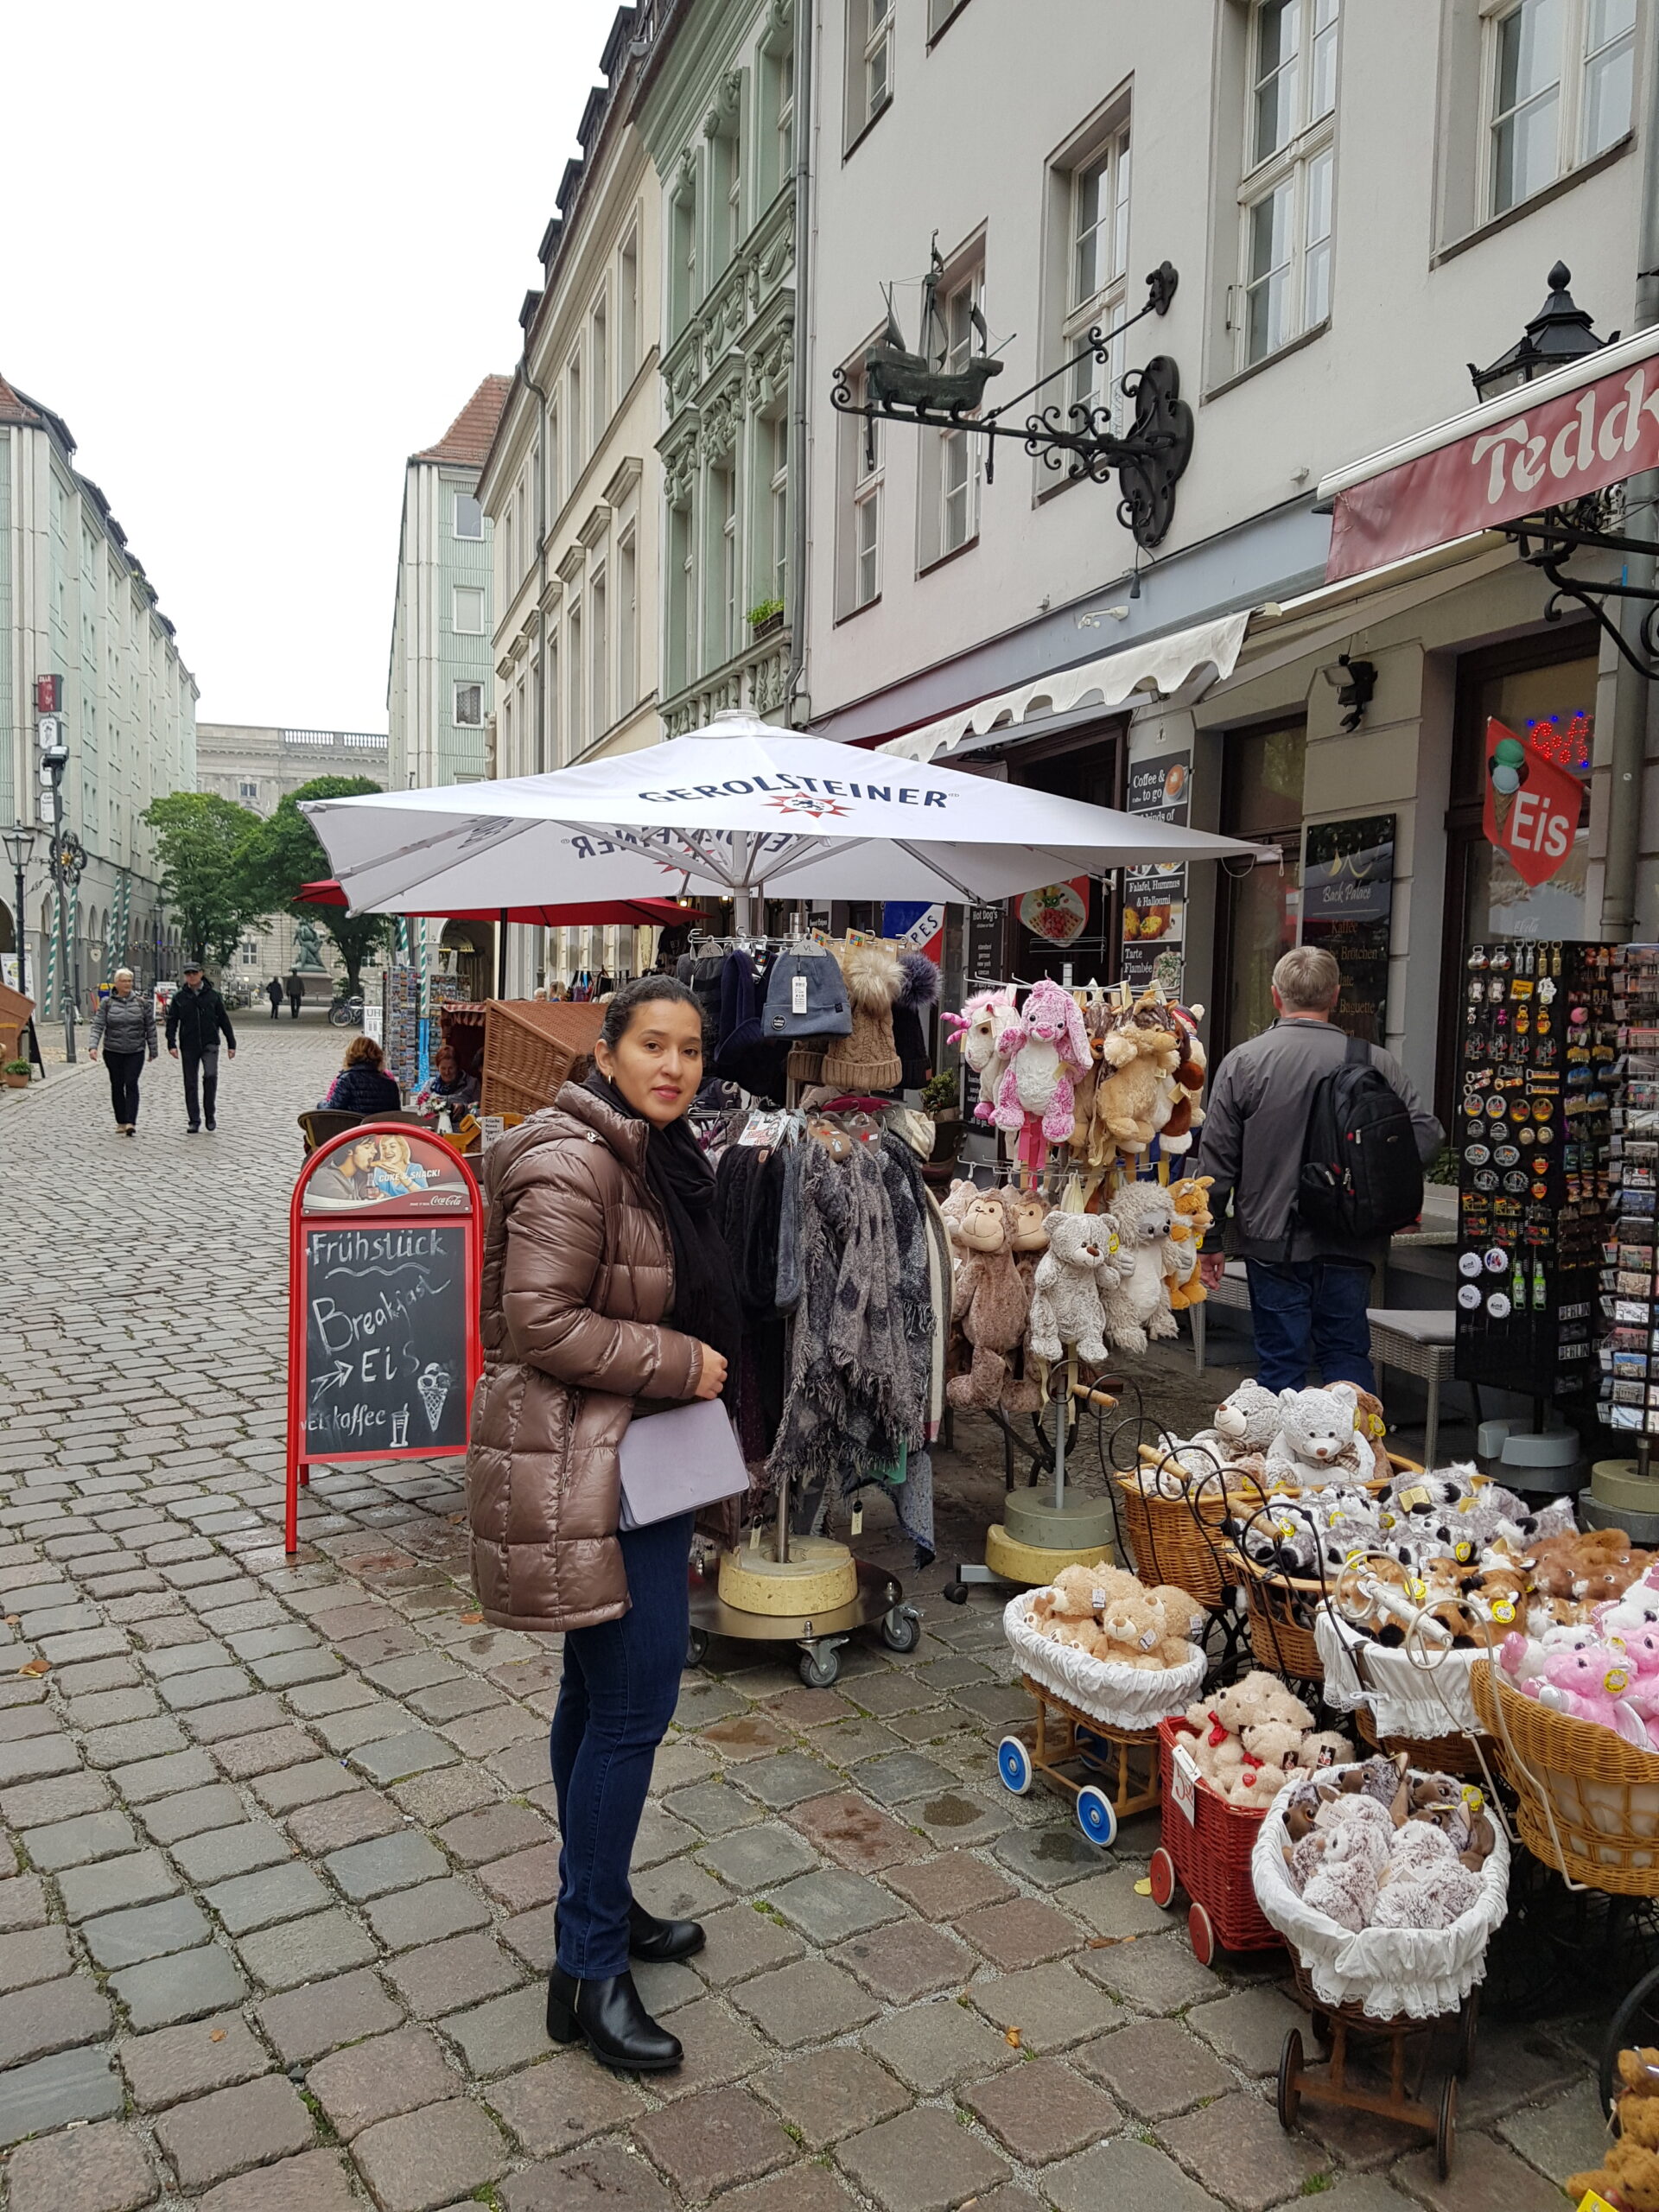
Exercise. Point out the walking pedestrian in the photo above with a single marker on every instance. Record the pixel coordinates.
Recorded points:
(124, 1029)
(274, 993)
(296, 994)
(1309, 1288)
(196, 1019)
(601, 1226)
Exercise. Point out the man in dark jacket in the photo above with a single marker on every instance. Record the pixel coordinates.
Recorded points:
(274, 993)
(196, 1019)
(1308, 1290)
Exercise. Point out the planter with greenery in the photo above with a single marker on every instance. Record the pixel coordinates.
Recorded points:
(765, 619)
(942, 1099)
(15, 1075)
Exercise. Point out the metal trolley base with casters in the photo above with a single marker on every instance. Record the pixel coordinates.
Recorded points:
(1112, 1773)
(879, 1598)
(1405, 2098)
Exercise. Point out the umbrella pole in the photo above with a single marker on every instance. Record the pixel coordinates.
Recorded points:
(501, 956)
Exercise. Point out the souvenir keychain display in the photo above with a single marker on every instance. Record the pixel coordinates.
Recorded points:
(1538, 1039)
(1629, 1300)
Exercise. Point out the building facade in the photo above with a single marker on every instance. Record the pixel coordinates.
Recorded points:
(573, 486)
(439, 686)
(719, 110)
(257, 768)
(75, 603)
(1358, 202)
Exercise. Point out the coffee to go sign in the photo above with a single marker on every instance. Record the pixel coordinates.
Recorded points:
(1532, 804)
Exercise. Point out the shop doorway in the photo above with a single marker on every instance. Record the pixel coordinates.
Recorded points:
(1258, 908)
(471, 945)
(1531, 682)
(1073, 926)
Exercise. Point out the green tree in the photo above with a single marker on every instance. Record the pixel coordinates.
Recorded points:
(200, 840)
(286, 853)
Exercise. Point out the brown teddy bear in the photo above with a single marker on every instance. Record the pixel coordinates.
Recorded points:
(1629, 2176)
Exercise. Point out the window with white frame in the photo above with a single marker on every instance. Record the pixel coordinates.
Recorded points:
(723, 506)
(727, 214)
(628, 312)
(599, 337)
(859, 478)
(249, 789)
(780, 67)
(627, 623)
(469, 610)
(952, 469)
(1558, 81)
(681, 589)
(469, 706)
(774, 581)
(940, 12)
(552, 756)
(552, 460)
(576, 719)
(1097, 197)
(683, 268)
(598, 597)
(573, 417)
(869, 62)
(468, 516)
(1286, 201)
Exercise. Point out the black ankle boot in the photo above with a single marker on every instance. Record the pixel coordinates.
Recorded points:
(658, 1942)
(609, 2017)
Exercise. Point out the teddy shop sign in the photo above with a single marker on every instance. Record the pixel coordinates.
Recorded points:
(1543, 455)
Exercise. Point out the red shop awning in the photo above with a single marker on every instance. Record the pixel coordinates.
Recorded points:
(1552, 441)
(623, 913)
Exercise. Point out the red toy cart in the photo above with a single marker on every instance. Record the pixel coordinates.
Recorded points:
(1206, 1850)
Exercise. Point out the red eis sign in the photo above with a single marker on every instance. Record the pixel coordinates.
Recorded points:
(1532, 805)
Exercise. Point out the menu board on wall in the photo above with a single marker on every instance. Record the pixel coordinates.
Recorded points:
(1154, 897)
(1347, 906)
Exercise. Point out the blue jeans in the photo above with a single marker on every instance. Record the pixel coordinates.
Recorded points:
(1317, 1308)
(621, 1684)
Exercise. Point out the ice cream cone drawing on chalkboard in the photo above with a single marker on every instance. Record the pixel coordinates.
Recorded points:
(433, 1383)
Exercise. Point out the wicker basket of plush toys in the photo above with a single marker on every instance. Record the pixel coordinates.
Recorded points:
(1102, 1640)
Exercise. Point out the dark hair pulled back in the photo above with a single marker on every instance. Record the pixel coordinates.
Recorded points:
(620, 1009)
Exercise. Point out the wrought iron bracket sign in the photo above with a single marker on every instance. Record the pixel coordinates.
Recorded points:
(1148, 456)
(1547, 541)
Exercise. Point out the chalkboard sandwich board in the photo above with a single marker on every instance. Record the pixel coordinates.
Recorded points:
(385, 1232)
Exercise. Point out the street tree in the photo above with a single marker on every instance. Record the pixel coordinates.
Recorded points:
(287, 854)
(200, 842)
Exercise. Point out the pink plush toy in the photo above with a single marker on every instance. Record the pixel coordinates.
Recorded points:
(1590, 1684)
(1640, 1648)
(976, 1031)
(1042, 1060)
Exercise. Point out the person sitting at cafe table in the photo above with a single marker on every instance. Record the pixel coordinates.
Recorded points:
(363, 1085)
(449, 1084)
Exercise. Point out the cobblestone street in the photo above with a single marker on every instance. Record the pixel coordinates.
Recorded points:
(277, 1857)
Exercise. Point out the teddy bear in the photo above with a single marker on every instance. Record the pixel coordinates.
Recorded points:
(1247, 1420)
(1186, 1081)
(1071, 1283)
(1589, 1683)
(1193, 1218)
(1629, 2174)
(988, 1304)
(1137, 1308)
(1316, 1441)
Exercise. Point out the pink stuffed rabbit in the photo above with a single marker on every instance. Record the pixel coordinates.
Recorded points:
(1037, 1094)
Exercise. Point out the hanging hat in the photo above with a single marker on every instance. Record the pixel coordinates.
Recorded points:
(867, 1059)
(806, 997)
(919, 991)
(746, 1056)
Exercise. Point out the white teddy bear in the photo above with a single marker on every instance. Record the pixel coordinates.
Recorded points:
(1081, 1263)
(1138, 1307)
(1316, 1441)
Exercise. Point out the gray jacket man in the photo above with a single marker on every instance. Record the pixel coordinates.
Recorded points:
(1308, 1290)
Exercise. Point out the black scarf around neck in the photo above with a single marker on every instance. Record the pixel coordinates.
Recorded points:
(705, 1289)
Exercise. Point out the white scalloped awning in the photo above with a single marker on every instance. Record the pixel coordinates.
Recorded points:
(1160, 668)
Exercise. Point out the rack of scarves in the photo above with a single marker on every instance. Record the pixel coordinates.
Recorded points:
(844, 1266)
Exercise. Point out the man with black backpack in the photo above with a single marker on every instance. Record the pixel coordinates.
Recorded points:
(1318, 1141)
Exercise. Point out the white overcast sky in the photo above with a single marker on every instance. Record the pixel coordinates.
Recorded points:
(256, 257)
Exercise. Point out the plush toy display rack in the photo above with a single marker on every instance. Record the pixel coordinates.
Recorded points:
(1404, 2099)
(1207, 1854)
(1114, 1771)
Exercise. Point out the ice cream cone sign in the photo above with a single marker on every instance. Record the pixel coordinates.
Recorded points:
(1532, 805)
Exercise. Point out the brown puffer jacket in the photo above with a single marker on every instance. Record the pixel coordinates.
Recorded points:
(578, 1272)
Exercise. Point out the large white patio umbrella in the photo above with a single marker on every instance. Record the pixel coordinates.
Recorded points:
(741, 808)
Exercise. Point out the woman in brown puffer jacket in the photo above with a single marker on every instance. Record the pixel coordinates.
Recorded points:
(601, 1224)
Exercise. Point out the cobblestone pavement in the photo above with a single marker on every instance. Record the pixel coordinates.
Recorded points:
(277, 1853)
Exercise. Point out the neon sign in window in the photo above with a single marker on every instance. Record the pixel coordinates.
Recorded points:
(1564, 738)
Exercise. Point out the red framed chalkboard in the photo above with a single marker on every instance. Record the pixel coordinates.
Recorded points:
(386, 1238)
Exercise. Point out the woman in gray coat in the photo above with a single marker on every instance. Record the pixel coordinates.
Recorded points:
(124, 1029)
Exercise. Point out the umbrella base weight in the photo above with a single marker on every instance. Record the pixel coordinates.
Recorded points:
(820, 1576)
(1033, 1566)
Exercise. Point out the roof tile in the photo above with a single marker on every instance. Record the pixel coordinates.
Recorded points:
(467, 438)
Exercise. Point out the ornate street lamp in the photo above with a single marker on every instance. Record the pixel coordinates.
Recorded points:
(1558, 334)
(19, 841)
(1148, 458)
